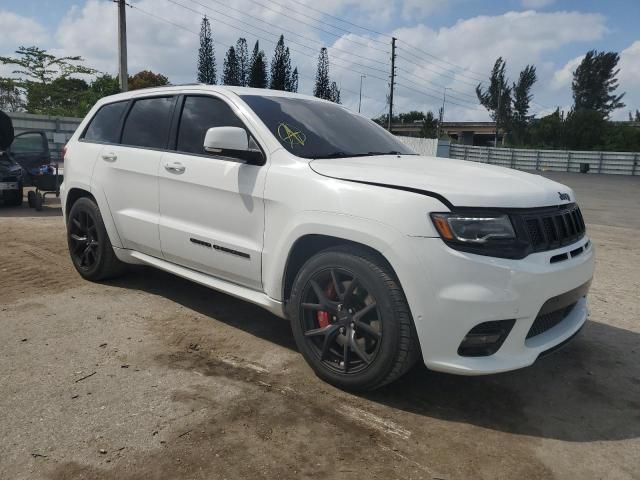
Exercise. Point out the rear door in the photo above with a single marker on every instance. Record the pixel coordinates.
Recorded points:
(128, 172)
(211, 207)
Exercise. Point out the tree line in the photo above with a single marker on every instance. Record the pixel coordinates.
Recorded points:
(240, 69)
(587, 124)
(50, 85)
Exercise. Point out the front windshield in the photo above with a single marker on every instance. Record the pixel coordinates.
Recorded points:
(314, 129)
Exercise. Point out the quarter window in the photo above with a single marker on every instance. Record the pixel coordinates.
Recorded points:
(148, 123)
(198, 115)
(105, 125)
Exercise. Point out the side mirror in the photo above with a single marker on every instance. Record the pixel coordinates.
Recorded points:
(232, 142)
(220, 139)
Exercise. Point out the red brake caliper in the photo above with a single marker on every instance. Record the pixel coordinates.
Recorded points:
(323, 315)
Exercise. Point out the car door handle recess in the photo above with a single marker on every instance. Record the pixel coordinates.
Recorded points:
(174, 167)
(109, 157)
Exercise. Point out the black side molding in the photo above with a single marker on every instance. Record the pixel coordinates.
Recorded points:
(231, 251)
(200, 242)
(219, 248)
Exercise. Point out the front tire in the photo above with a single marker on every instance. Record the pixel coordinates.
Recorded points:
(89, 245)
(351, 320)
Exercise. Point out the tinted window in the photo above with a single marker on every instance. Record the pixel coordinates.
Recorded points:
(200, 114)
(105, 126)
(148, 123)
(28, 143)
(315, 129)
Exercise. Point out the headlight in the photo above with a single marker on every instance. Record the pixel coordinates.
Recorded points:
(471, 229)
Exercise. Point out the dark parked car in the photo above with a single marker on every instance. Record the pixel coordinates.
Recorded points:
(19, 162)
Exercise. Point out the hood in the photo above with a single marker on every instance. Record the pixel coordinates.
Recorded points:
(8, 167)
(461, 183)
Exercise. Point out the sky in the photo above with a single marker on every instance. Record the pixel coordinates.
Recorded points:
(441, 43)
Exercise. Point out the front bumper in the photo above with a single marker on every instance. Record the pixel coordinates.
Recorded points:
(457, 291)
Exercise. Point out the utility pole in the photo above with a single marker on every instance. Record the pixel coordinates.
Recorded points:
(495, 140)
(123, 76)
(441, 119)
(360, 101)
(393, 78)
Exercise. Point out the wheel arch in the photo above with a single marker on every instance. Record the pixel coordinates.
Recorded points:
(72, 197)
(73, 194)
(309, 245)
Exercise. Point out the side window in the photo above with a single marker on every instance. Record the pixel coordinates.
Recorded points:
(105, 125)
(198, 115)
(148, 123)
(31, 142)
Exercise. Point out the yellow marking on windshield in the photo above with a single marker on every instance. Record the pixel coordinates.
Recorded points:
(291, 135)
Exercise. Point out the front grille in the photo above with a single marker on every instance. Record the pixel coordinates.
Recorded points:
(547, 321)
(9, 179)
(551, 230)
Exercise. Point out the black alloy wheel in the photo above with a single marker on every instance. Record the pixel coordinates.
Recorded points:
(351, 320)
(84, 243)
(341, 320)
(89, 247)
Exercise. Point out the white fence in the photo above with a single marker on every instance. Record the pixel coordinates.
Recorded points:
(58, 129)
(423, 146)
(617, 163)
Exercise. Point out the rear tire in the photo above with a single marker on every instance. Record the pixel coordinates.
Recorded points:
(38, 200)
(31, 199)
(349, 296)
(89, 245)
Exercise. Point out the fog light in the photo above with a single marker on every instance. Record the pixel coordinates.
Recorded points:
(485, 339)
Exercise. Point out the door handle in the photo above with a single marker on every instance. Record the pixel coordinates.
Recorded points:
(109, 157)
(174, 167)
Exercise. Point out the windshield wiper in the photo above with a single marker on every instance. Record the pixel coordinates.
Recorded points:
(336, 155)
(350, 155)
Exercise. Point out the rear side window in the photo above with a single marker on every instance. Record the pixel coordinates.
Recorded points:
(148, 123)
(105, 125)
(200, 114)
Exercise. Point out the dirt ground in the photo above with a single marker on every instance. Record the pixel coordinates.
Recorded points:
(151, 377)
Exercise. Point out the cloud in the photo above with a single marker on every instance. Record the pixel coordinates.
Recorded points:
(562, 78)
(17, 30)
(629, 79)
(170, 48)
(519, 37)
(535, 4)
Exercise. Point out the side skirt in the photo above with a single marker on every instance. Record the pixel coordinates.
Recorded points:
(238, 291)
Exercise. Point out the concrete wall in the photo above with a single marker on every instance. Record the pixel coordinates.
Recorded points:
(58, 129)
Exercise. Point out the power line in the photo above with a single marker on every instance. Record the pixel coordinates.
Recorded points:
(458, 92)
(340, 19)
(433, 96)
(322, 30)
(182, 27)
(453, 77)
(461, 100)
(276, 35)
(424, 52)
(480, 75)
(229, 7)
(325, 23)
(350, 70)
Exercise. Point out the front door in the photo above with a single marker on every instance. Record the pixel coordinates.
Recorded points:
(211, 207)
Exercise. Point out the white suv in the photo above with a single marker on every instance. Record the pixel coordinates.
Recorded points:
(377, 256)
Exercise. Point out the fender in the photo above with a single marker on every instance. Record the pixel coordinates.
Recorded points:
(103, 205)
(376, 235)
